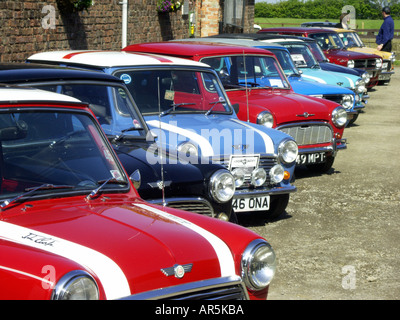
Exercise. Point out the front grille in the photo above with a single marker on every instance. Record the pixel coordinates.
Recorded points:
(265, 162)
(365, 64)
(196, 207)
(309, 134)
(234, 292)
(334, 97)
(226, 288)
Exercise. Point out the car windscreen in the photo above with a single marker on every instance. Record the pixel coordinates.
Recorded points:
(247, 70)
(317, 52)
(328, 41)
(302, 55)
(286, 62)
(350, 39)
(175, 91)
(112, 106)
(50, 148)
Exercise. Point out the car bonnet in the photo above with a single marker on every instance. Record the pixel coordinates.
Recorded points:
(124, 244)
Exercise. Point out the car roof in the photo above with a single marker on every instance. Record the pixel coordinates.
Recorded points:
(16, 94)
(298, 30)
(188, 49)
(109, 59)
(237, 41)
(32, 72)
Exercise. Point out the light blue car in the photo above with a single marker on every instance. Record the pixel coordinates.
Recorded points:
(346, 90)
(185, 105)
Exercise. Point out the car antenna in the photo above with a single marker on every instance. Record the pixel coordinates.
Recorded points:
(160, 148)
(245, 84)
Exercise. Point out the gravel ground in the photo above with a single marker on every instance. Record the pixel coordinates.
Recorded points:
(339, 238)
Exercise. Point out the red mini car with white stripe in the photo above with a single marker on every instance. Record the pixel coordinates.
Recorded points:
(72, 225)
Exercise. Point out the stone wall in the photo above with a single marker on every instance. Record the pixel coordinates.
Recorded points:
(31, 26)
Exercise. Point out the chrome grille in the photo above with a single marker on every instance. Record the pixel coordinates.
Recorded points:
(365, 64)
(226, 288)
(309, 134)
(265, 162)
(234, 292)
(196, 207)
(334, 97)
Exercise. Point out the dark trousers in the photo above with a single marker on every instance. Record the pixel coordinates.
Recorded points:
(387, 47)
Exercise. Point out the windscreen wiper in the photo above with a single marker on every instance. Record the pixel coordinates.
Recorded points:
(213, 105)
(46, 186)
(102, 183)
(174, 106)
(122, 135)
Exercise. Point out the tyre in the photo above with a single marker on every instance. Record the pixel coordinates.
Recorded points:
(322, 167)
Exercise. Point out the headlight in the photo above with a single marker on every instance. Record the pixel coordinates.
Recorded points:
(188, 150)
(378, 63)
(393, 57)
(347, 101)
(288, 151)
(360, 86)
(258, 265)
(350, 64)
(222, 186)
(276, 174)
(76, 285)
(366, 77)
(266, 119)
(239, 176)
(339, 117)
(258, 177)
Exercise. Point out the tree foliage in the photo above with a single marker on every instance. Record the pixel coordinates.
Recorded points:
(324, 9)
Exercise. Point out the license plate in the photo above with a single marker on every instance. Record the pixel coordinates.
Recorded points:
(384, 77)
(250, 204)
(311, 158)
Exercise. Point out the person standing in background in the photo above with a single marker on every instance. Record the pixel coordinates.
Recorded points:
(386, 32)
(344, 20)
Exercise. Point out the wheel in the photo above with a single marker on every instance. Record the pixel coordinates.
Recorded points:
(277, 206)
(322, 167)
(353, 120)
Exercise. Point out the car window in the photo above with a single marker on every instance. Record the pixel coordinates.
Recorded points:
(302, 55)
(60, 148)
(112, 105)
(246, 70)
(177, 91)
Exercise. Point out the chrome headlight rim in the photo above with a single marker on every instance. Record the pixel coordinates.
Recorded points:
(351, 64)
(393, 57)
(339, 117)
(222, 186)
(258, 279)
(366, 77)
(63, 287)
(347, 101)
(266, 119)
(277, 174)
(258, 177)
(239, 175)
(185, 147)
(360, 86)
(288, 151)
(378, 63)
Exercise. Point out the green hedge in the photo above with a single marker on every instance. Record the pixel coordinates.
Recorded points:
(322, 9)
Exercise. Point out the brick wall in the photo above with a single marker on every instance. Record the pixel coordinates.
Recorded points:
(26, 29)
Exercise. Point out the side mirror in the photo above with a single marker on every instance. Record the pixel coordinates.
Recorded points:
(136, 179)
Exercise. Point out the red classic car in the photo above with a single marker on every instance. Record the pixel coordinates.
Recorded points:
(72, 226)
(254, 80)
(335, 50)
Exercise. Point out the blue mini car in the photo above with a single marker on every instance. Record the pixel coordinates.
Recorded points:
(320, 85)
(187, 108)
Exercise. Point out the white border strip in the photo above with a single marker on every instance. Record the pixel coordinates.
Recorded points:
(223, 252)
(111, 276)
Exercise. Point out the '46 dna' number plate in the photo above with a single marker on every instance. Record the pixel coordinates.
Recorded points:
(251, 204)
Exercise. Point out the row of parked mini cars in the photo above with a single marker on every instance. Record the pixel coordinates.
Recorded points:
(118, 168)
